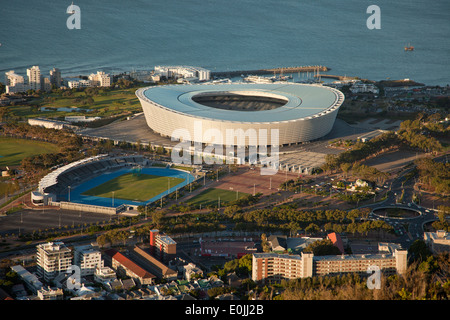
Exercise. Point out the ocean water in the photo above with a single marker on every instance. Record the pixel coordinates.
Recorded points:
(226, 35)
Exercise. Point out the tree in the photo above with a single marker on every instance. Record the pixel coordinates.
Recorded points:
(322, 248)
(345, 167)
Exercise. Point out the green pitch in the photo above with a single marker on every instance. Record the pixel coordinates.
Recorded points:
(13, 150)
(134, 187)
(211, 197)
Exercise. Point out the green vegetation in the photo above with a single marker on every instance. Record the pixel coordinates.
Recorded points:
(434, 176)
(134, 187)
(211, 197)
(13, 151)
(102, 102)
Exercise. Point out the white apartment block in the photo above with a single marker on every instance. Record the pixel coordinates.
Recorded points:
(88, 258)
(100, 79)
(53, 258)
(15, 83)
(201, 74)
(34, 78)
(79, 84)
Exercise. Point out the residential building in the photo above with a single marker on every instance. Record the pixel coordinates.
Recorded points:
(275, 267)
(47, 293)
(438, 241)
(34, 78)
(104, 274)
(46, 84)
(55, 77)
(187, 72)
(162, 246)
(79, 84)
(31, 281)
(191, 269)
(53, 258)
(15, 83)
(88, 258)
(100, 79)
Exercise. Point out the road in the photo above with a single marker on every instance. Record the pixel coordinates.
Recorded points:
(415, 225)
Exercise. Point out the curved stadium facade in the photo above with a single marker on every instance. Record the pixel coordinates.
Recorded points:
(300, 112)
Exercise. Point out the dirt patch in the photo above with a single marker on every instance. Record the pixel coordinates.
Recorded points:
(393, 161)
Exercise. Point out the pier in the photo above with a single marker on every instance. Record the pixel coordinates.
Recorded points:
(334, 77)
(232, 74)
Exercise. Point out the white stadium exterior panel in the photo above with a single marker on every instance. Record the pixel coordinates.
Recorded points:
(308, 114)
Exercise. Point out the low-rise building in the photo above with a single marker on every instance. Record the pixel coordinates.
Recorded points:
(127, 267)
(47, 293)
(31, 280)
(438, 241)
(157, 267)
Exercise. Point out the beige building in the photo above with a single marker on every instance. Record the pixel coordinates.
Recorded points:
(162, 246)
(438, 241)
(34, 78)
(275, 267)
(100, 79)
(53, 258)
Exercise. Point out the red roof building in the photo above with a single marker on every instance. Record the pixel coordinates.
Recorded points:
(337, 241)
(123, 265)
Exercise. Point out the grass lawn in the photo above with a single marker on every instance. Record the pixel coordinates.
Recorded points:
(13, 150)
(211, 197)
(105, 104)
(135, 188)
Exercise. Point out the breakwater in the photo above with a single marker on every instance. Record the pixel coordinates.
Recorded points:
(232, 74)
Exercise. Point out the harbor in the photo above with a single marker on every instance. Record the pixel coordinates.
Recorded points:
(285, 70)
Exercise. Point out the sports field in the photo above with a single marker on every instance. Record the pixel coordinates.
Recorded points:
(13, 150)
(211, 197)
(134, 187)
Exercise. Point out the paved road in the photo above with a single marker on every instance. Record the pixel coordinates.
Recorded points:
(415, 225)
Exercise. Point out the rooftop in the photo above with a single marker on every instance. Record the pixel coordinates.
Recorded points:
(302, 101)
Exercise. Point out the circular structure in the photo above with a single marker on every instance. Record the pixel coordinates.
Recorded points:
(299, 112)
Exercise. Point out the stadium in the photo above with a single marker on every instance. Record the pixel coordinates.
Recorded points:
(107, 184)
(299, 112)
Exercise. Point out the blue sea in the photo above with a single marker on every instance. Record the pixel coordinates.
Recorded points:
(221, 35)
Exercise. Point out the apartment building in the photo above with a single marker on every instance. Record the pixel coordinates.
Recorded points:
(100, 79)
(88, 258)
(55, 77)
(53, 258)
(275, 267)
(34, 78)
(15, 83)
(162, 246)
